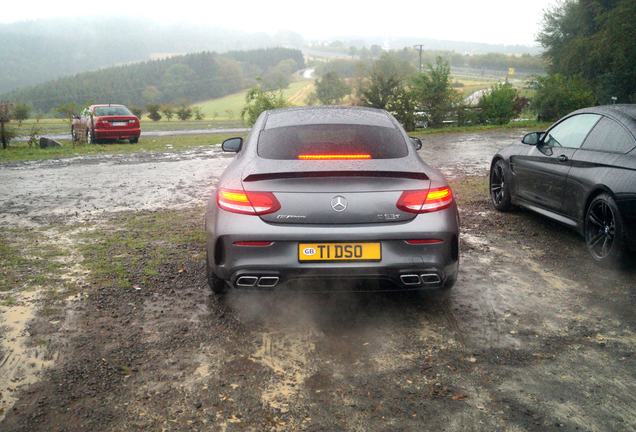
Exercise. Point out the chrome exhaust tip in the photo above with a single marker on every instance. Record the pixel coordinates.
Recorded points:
(430, 278)
(246, 281)
(410, 279)
(268, 281)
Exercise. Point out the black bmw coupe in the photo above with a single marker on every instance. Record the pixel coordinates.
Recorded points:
(582, 173)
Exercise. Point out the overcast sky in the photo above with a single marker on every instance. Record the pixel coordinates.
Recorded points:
(492, 21)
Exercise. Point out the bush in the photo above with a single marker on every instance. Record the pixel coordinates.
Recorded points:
(21, 112)
(184, 112)
(498, 105)
(558, 95)
(167, 111)
(153, 112)
(198, 114)
(258, 100)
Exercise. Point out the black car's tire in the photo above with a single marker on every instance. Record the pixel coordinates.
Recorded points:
(499, 186)
(134, 140)
(217, 285)
(604, 231)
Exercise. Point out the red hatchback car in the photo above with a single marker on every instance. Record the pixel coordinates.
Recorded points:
(106, 122)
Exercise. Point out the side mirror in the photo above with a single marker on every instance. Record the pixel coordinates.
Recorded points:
(232, 145)
(417, 143)
(533, 138)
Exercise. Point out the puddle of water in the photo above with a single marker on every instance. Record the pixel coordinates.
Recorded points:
(20, 364)
(287, 355)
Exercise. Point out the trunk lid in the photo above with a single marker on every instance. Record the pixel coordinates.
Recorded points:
(345, 192)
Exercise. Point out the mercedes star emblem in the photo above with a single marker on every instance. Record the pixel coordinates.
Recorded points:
(339, 203)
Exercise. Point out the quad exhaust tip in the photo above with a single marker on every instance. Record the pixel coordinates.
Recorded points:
(255, 281)
(423, 279)
(268, 281)
(410, 279)
(430, 278)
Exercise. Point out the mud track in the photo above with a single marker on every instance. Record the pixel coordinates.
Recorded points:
(532, 337)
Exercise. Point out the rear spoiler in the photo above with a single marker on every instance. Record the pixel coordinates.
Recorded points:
(309, 174)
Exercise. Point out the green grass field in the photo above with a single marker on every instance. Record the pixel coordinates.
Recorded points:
(229, 107)
(22, 152)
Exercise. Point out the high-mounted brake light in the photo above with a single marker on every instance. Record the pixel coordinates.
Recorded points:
(424, 201)
(244, 202)
(352, 156)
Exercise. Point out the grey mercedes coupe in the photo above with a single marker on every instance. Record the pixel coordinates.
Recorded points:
(330, 193)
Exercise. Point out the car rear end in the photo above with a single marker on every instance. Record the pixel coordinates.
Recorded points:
(114, 122)
(333, 202)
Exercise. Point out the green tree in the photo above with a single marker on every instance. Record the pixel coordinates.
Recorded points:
(279, 76)
(596, 41)
(558, 95)
(198, 114)
(258, 100)
(434, 92)
(184, 112)
(498, 104)
(153, 112)
(385, 81)
(168, 111)
(403, 105)
(330, 89)
(21, 112)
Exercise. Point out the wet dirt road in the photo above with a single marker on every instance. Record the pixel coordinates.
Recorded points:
(91, 185)
(532, 337)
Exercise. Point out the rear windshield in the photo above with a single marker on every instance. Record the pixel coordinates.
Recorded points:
(296, 142)
(112, 111)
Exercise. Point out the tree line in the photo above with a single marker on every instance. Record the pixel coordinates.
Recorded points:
(173, 80)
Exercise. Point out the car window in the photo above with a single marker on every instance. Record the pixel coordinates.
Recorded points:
(318, 140)
(571, 132)
(609, 136)
(112, 111)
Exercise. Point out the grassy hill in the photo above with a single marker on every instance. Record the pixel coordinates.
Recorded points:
(229, 107)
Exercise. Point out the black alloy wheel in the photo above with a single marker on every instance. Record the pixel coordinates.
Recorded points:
(604, 230)
(499, 187)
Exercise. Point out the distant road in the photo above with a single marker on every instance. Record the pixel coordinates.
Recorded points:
(158, 133)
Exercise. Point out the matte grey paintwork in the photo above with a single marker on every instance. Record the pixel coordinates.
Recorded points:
(368, 197)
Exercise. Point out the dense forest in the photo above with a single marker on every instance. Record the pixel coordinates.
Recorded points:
(38, 51)
(186, 78)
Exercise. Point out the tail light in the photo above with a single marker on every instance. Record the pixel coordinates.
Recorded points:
(250, 203)
(103, 123)
(424, 201)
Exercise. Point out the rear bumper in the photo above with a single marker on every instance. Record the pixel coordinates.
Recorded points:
(280, 259)
(123, 133)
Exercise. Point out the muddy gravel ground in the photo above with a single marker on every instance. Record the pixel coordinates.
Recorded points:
(532, 337)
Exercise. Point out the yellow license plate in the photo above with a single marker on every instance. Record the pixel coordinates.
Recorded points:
(367, 251)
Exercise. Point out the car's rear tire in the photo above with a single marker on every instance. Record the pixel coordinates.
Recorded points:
(134, 140)
(604, 231)
(217, 285)
(500, 186)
